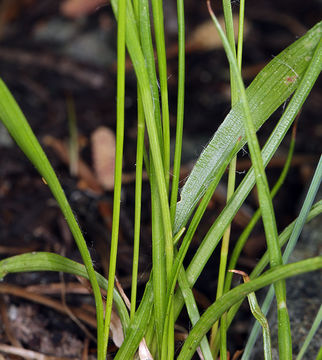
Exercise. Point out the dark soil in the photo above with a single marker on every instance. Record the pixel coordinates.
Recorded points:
(43, 67)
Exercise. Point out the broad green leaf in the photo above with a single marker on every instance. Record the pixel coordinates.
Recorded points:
(272, 86)
(216, 231)
(45, 261)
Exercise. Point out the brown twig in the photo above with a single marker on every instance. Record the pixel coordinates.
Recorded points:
(20, 292)
(6, 324)
(62, 66)
(29, 354)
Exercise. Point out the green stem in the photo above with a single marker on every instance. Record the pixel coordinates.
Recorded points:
(121, 30)
(213, 236)
(180, 109)
(177, 266)
(229, 25)
(231, 175)
(259, 316)
(316, 324)
(141, 322)
(261, 265)
(138, 196)
(237, 294)
(240, 33)
(265, 201)
(139, 64)
(300, 221)
(223, 263)
(147, 49)
(162, 62)
(247, 231)
(159, 275)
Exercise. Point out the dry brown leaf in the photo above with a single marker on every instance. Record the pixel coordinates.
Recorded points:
(79, 8)
(144, 352)
(205, 37)
(87, 178)
(115, 325)
(237, 354)
(103, 150)
(116, 329)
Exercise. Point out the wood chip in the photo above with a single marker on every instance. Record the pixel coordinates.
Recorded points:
(103, 150)
(79, 8)
(205, 37)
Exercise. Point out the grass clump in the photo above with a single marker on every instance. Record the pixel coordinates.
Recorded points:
(292, 73)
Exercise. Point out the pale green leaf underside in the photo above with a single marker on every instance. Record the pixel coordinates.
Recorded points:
(272, 86)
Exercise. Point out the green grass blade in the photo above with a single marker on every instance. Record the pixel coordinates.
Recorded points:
(261, 265)
(192, 309)
(314, 328)
(138, 199)
(132, 340)
(177, 266)
(247, 231)
(19, 129)
(237, 294)
(159, 265)
(157, 10)
(148, 52)
(194, 225)
(259, 316)
(319, 355)
(180, 109)
(245, 234)
(299, 223)
(135, 51)
(120, 100)
(240, 33)
(232, 170)
(45, 261)
(265, 201)
(216, 231)
(138, 326)
(159, 274)
(272, 86)
(229, 29)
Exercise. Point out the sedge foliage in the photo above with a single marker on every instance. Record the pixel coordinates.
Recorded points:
(291, 73)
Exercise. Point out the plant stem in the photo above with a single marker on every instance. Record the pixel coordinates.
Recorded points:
(229, 25)
(138, 196)
(162, 62)
(285, 341)
(237, 294)
(247, 231)
(300, 221)
(180, 109)
(121, 28)
(231, 175)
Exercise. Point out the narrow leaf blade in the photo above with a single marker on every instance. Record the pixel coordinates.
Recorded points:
(272, 86)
